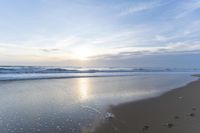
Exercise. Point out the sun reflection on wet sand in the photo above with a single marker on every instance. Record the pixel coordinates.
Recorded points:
(84, 88)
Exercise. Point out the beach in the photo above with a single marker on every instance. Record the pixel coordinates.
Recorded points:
(79, 105)
(177, 111)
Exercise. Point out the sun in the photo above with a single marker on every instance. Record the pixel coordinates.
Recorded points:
(82, 53)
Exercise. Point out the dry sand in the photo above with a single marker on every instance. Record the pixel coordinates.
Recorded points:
(177, 111)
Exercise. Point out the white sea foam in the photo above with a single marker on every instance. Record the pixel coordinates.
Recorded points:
(41, 72)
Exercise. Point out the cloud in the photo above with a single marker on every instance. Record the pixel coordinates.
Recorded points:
(138, 7)
(50, 50)
(179, 48)
(161, 38)
(188, 8)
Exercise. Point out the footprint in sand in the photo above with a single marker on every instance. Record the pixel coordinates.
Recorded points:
(145, 127)
(194, 109)
(169, 125)
(176, 117)
(191, 115)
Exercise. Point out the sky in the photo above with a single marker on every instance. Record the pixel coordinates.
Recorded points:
(128, 33)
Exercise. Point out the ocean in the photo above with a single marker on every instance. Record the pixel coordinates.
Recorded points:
(50, 72)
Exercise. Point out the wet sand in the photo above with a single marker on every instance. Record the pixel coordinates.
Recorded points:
(177, 111)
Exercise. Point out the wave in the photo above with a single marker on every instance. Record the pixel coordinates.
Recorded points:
(35, 69)
(41, 72)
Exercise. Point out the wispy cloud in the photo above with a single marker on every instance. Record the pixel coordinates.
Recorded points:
(138, 7)
(187, 8)
(178, 48)
(50, 50)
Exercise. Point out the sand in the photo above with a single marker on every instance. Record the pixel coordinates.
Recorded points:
(177, 111)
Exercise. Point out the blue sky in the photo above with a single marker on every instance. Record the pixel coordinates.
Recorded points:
(100, 32)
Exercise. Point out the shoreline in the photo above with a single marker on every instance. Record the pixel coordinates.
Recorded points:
(175, 111)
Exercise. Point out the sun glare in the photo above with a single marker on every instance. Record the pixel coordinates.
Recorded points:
(83, 88)
(83, 53)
